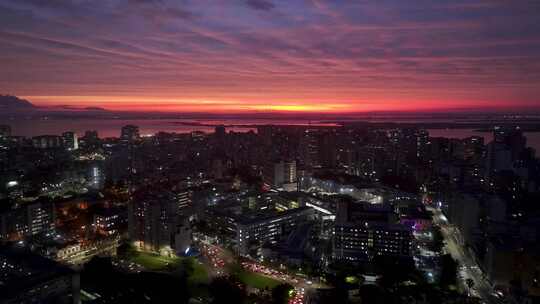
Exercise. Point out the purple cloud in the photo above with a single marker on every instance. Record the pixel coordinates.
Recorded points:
(262, 5)
(334, 51)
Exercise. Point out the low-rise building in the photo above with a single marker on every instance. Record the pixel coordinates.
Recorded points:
(47, 141)
(249, 230)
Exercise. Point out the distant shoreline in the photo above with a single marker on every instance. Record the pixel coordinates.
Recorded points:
(479, 125)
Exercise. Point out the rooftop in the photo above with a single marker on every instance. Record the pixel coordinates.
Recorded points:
(20, 270)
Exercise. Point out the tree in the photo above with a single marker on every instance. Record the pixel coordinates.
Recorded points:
(372, 294)
(394, 271)
(161, 287)
(225, 290)
(470, 284)
(126, 250)
(281, 293)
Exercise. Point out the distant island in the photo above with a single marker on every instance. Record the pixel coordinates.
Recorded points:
(9, 102)
(13, 106)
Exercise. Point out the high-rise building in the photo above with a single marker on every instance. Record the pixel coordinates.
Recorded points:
(309, 148)
(130, 133)
(183, 199)
(154, 219)
(512, 138)
(289, 169)
(496, 208)
(327, 149)
(499, 158)
(17, 222)
(40, 218)
(96, 176)
(280, 173)
(464, 213)
(507, 260)
(5, 131)
(71, 141)
(422, 144)
(220, 145)
(220, 134)
(473, 147)
(90, 139)
(108, 221)
(91, 135)
(265, 134)
(218, 168)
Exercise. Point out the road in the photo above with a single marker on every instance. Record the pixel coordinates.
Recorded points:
(468, 269)
(217, 259)
(301, 285)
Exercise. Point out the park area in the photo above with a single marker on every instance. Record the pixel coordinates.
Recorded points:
(154, 262)
(197, 272)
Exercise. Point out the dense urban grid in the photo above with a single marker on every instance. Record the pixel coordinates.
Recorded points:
(284, 214)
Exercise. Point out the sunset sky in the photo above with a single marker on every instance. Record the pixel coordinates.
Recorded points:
(272, 55)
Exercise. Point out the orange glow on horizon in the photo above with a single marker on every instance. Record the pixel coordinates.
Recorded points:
(302, 108)
(170, 105)
(166, 104)
(268, 104)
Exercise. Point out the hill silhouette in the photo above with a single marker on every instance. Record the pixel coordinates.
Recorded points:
(9, 102)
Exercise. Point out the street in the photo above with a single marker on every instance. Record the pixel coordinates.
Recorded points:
(468, 268)
(218, 259)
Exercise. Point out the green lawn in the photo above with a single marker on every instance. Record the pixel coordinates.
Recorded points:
(199, 275)
(155, 262)
(256, 280)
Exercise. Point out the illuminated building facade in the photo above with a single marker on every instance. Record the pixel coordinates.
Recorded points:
(362, 232)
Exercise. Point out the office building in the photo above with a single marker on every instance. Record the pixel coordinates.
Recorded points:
(19, 221)
(280, 174)
(109, 221)
(264, 224)
(96, 176)
(362, 232)
(71, 142)
(268, 229)
(183, 198)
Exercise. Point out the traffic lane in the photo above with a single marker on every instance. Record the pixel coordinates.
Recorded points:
(452, 247)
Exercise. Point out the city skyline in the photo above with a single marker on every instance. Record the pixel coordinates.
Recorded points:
(272, 56)
(270, 151)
